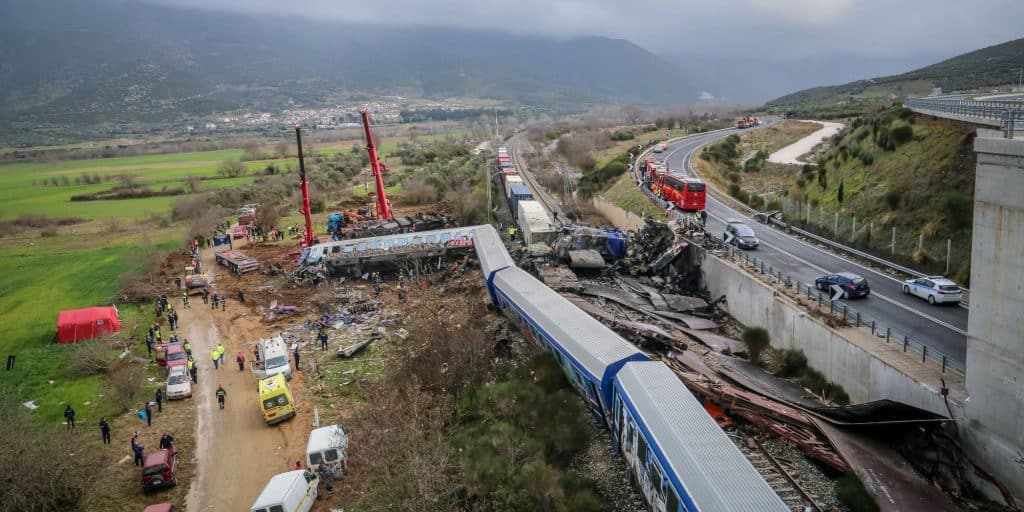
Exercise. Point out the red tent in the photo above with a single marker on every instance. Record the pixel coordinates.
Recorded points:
(88, 323)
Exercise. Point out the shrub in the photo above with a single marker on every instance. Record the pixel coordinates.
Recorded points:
(867, 158)
(801, 183)
(624, 135)
(957, 208)
(418, 191)
(734, 177)
(900, 134)
(754, 201)
(231, 169)
(757, 340)
(317, 205)
(734, 190)
(792, 363)
(839, 193)
(893, 197)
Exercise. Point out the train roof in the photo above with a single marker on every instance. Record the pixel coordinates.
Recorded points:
(490, 250)
(593, 346)
(696, 453)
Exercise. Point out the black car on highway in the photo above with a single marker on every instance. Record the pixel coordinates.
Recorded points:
(741, 235)
(852, 285)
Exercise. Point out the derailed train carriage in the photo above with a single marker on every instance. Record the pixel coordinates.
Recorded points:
(679, 457)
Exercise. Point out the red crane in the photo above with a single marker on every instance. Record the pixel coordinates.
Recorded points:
(307, 241)
(383, 208)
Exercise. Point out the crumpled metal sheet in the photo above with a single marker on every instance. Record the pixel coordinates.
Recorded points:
(886, 475)
(716, 342)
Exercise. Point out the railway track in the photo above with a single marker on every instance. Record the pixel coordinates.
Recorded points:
(539, 193)
(780, 480)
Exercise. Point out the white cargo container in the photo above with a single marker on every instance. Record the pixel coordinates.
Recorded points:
(534, 223)
(510, 180)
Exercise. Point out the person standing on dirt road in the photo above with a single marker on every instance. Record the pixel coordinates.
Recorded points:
(221, 395)
(220, 350)
(184, 300)
(241, 361)
(206, 295)
(191, 366)
(159, 399)
(69, 416)
(149, 415)
(188, 349)
(241, 297)
(296, 354)
(216, 359)
(256, 353)
(105, 430)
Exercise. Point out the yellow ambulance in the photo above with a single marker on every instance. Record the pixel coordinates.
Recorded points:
(276, 399)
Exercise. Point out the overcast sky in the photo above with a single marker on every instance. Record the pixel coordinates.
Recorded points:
(757, 28)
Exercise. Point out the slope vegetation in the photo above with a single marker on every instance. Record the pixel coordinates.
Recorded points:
(989, 67)
(896, 170)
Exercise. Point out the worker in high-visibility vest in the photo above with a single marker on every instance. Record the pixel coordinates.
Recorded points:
(215, 355)
(512, 233)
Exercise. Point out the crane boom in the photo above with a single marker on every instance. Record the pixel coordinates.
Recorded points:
(304, 185)
(383, 208)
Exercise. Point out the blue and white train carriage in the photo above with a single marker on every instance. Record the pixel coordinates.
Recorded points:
(679, 457)
(589, 353)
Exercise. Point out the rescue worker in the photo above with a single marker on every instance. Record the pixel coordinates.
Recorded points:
(220, 350)
(512, 233)
(216, 359)
(149, 415)
(215, 300)
(192, 370)
(137, 449)
(69, 416)
(221, 395)
(105, 430)
(184, 300)
(241, 361)
(241, 297)
(256, 353)
(206, 295)
(223, 303)
(296, 354)
(401, 292)
(188, 348)
(159, 398)
(322, 336)
(703, 217)
(177, 282)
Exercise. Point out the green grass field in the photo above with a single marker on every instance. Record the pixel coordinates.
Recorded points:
(80, 267)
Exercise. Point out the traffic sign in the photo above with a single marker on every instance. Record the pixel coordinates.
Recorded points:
(837, 293)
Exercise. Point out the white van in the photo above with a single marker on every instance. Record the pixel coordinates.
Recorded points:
(328, 446)
(274, 358)
(294, 491)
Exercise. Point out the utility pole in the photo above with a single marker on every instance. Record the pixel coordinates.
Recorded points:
(497, 129)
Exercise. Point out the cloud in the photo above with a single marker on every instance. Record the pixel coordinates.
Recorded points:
(770, 29)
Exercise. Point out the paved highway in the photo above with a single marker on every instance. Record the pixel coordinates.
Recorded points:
(941, 328)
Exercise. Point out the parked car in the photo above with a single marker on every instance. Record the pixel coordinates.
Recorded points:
(934, 289)
(742, 236)
(852, 284)
(174, 355)
(327, 446)
(238, 232)
(160, 470)
(179, 383)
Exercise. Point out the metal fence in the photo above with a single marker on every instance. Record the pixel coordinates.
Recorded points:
(1008, 113)
(881, 332)
(928, 253)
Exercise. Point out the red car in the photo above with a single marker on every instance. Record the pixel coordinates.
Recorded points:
(238, 232)
(160, 470)
(175, 355)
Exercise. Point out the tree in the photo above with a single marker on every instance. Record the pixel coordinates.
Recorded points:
(839, 193)
(757, 339)
(281, 149)
(231, 169)
(251, 146)
(631, 114)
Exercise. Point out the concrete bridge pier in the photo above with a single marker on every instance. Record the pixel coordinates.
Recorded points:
(993, 426)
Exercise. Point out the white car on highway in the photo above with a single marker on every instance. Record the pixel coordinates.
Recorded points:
(179, 385)
(934, 289)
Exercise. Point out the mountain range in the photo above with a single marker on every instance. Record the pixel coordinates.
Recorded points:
(111, 61)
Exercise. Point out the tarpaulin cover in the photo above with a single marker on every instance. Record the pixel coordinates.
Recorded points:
(83, 324)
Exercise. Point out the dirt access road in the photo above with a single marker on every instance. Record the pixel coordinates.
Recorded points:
(236, 451)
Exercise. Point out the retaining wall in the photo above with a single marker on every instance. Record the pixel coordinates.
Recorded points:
(847, 356)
